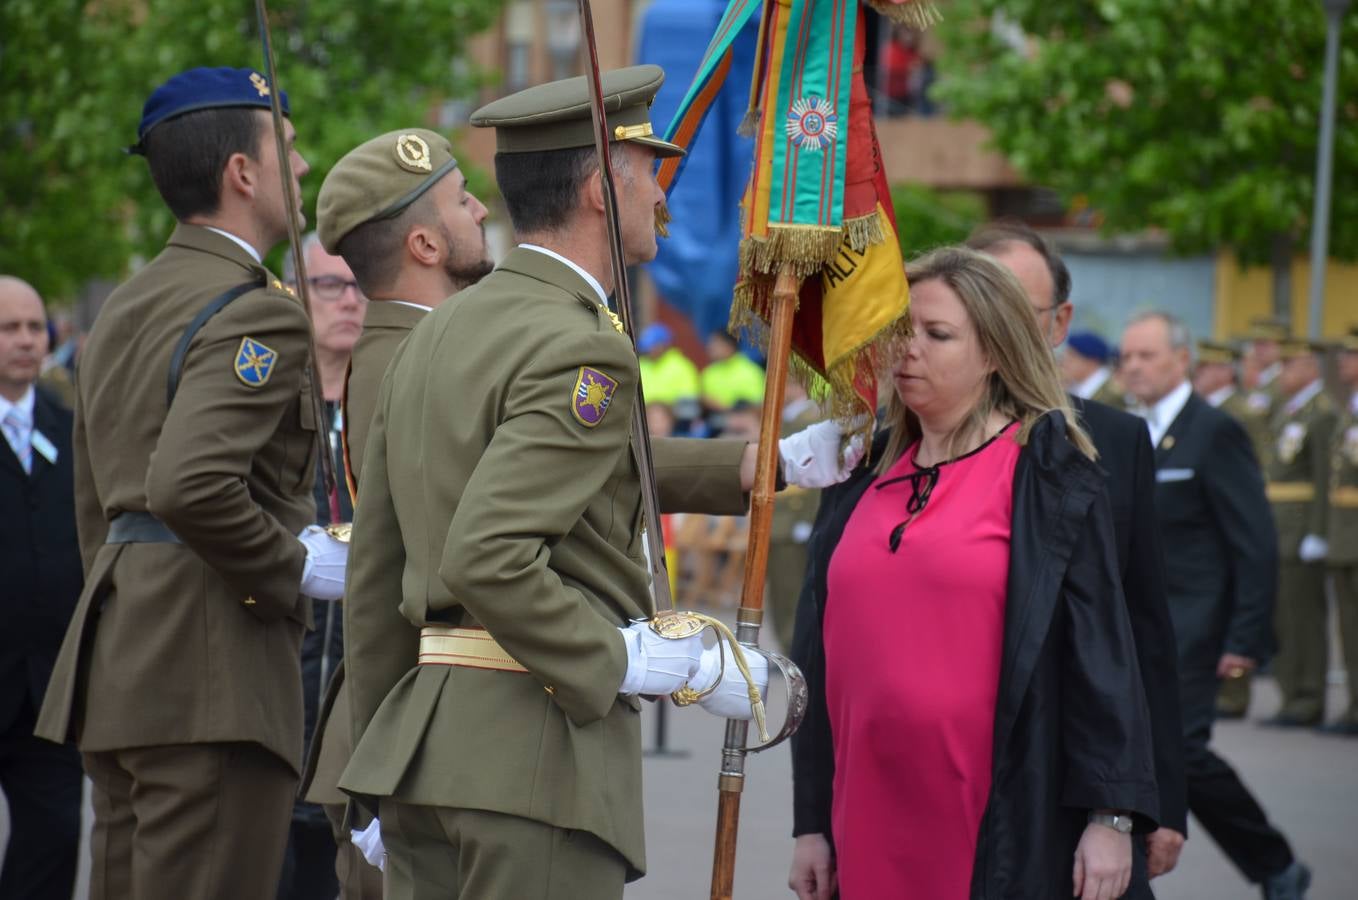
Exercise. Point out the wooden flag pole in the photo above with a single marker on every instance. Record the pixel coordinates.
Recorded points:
(731, 781)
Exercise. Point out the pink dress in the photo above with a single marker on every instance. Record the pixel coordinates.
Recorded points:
(912, 665)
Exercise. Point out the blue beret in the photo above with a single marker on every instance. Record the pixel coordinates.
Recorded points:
(653, 336)
(1089, 345)
(205, 88)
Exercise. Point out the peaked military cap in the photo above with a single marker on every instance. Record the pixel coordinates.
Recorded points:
(556, 115)
(1217, 352)
(379, 179)
(1268, 328)
(204, 88)
(1294, 347)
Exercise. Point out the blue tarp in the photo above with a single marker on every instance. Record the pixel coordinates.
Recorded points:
(696, 267)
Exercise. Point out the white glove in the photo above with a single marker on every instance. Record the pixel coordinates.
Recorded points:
(323, 574)
(731, 699)
(657, 665)
(1313, 548)
(812, 457)
(369, 843)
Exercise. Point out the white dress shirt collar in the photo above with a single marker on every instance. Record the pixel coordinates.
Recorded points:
(1220, 395)
(593, 282)
(254, 254)
(24, 404)
(1162, 415)
(1087, 388)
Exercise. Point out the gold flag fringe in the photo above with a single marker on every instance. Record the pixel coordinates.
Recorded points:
(749, 125)
(919, 14)
(835, 388)
(801, 248)
(864, 231)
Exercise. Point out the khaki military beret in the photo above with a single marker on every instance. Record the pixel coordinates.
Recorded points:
(379, 179)
(1217, 352)
(556, 115)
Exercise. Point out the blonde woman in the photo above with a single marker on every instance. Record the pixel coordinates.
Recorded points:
(977, 727)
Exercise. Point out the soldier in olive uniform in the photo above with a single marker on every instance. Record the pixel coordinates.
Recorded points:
(793, 516)
(195, 447)
(1215, 380)
(398, 211)
(499, 516)
(1298, 488)
(1343, 534)
(1265, 337)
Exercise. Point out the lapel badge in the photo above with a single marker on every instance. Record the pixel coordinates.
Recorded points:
(1168, 442)
(413, 153)
(254, 362)
(260, 84)
(592, 394)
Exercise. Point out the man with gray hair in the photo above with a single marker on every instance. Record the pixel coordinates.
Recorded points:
(1221, 567)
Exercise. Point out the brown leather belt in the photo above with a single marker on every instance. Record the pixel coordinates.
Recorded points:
(474, 648)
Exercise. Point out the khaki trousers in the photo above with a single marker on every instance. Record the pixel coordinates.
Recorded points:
(1346, 599)
(357, 879)
(436, 853)
(207, 821)
(1299, 621)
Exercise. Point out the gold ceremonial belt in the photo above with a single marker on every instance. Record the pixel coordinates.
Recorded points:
(1345, 497)
(444, 645)
(1291, 492)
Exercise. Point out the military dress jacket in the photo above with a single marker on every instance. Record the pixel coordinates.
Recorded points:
(498, 489)
(385, 326)
(196, 641)
(1298, 471)
(1343, 530)
(1255, 423)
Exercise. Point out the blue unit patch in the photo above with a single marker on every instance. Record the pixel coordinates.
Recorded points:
(254, 362)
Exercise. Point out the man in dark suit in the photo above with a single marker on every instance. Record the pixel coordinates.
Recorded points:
(1221, 567)
(40, 560)
(1125, 455)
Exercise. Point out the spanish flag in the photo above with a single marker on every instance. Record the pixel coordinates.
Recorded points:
(817, 203)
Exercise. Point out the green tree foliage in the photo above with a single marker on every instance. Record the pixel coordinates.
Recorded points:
(1196, 116)
(74, 75)
(926, 218)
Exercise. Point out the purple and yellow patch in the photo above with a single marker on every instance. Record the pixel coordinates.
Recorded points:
(593, 392)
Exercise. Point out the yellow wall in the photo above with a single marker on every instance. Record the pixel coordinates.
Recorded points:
(1242, 294)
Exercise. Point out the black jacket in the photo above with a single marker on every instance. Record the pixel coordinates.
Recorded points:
(1221, 564)
(39, 561)
(1071, 727)
(1126, 457)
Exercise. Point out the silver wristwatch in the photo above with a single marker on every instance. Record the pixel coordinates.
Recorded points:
(1119, 822)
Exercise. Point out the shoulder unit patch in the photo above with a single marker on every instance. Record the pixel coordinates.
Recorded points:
(254, 362)
(592, 395)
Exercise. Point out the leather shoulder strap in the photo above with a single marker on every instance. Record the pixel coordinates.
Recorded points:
(181, 349)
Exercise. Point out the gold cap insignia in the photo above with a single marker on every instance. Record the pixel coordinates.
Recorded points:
(413, 153)
(260, 84)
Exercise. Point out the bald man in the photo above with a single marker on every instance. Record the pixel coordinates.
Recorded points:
(41, 562)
